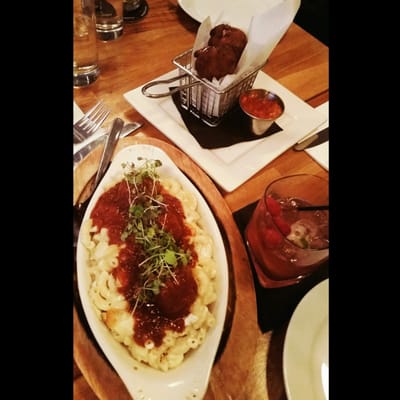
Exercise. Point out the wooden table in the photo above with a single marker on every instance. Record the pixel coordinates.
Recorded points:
(145, 51)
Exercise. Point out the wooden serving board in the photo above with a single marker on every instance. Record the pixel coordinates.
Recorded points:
(235, 360)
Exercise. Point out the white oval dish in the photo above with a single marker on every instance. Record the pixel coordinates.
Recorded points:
(306, 347)
(190, 379)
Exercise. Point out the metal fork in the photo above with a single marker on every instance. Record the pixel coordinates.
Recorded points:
(90, 122)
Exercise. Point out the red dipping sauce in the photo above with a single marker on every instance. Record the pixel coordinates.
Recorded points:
(260, 103)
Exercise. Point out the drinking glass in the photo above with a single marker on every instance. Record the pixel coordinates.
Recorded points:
(288, 234)
(85, 68)
(109, 19)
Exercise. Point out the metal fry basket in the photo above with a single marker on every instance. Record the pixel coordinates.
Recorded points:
(200, 96)
(204, 100)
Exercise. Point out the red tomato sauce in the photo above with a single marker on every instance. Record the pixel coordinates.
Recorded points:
(260, 106)
(172, 304)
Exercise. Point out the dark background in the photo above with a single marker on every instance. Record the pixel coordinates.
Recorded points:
(313, 16)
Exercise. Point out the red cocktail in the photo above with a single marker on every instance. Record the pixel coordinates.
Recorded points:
(288, 233)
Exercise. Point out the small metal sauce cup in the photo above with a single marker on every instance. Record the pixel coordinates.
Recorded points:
(259, 125)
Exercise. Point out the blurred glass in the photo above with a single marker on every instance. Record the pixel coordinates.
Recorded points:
(109, 19)
(135, 9)
(85, 64)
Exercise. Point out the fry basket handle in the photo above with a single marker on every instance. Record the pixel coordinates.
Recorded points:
(171, 91)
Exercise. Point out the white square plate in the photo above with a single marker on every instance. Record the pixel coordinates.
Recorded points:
(231, 166)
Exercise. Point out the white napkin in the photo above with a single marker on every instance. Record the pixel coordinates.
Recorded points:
(77, 112)
(320, 153)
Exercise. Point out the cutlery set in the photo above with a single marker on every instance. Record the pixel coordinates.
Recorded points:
(85, 150)
(88, 125)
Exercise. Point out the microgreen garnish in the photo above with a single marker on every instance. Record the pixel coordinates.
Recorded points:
(161, 252)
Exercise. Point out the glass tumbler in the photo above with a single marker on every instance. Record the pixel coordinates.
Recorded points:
(109, 19)
(85, 68)
(288, 234)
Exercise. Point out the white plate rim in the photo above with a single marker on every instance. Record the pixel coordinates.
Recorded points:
(190, 379)
(309, 322)
(189, 7)
(231, 166)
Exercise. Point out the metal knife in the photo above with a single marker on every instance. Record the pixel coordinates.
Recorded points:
(126, 130)
(108, 150)
(82, 203)
(314, 140)
(109, 146)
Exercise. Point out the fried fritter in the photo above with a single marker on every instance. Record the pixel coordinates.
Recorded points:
(215, 62)
(222, 54)
(225, 34)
